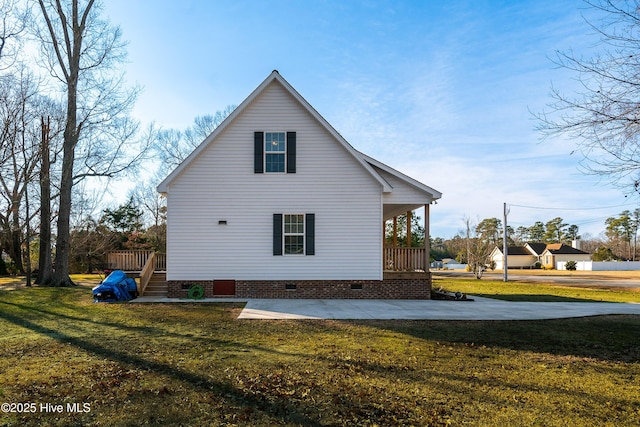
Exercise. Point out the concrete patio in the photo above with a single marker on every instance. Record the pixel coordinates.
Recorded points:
(479, 309)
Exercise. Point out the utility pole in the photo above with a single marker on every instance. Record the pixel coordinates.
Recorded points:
(467, 221)
(505, 246)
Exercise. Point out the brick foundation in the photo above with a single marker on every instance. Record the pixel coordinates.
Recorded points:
(395, 285)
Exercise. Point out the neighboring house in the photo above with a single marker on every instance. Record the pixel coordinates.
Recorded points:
(448, 264)
(531, 253)
(559, 252)
(519, 257)
(536, 249)
(276, 204)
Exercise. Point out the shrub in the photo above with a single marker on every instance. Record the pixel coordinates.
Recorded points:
(571, 265)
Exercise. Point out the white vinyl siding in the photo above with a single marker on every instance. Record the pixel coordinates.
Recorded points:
(220, 185)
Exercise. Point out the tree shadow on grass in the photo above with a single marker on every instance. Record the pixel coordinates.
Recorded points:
(608, 338)
(145, 330)
(488, 389)
(273, 407)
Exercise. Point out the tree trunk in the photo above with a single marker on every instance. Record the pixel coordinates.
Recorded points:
(71, 137)
(45, 269)
(16, 237)
(61, 271)
(27, 237)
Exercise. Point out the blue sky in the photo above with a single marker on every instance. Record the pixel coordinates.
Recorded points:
(440, 90)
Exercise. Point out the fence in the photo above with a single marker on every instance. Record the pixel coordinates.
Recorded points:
(602, 265)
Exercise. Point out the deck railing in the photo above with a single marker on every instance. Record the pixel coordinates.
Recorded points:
(147, 272)
(395, 259)
(404, 259)
(161, 262)
(135, 260)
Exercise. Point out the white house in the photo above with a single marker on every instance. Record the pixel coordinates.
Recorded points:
(275, 203)
(548, 255)
(518, 257)
(558, 253)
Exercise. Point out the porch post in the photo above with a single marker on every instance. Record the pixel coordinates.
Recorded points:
(427, 239)
(395, 231)
(408, 229)
(384, 241)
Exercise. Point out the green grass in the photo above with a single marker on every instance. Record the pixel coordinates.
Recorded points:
(517, 290)
(196, 364)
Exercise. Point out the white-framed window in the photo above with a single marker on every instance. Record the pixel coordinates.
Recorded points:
(275, 152)
(293, 234)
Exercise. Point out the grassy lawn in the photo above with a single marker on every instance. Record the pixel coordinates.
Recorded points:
(196, 364)
(519, 290)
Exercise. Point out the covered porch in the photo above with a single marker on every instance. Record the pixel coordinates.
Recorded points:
(402, 256)
(403, 196)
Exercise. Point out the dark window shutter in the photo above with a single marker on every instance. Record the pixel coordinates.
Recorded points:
(277, 234)
(258, 148)
(310, 234)
(291, 152)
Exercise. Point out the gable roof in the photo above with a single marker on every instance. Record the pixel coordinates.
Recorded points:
(514, 250)
(518, 250)
(562, 249)
(366, 162)
(537, 248)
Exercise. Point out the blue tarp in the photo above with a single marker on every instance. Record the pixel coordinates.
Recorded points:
(116, 287)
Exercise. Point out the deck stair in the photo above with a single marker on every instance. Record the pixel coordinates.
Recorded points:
(157, 286)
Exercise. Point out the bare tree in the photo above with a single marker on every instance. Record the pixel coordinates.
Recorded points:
(18, 157)
(14, 19)
(154, 209)
(479, 245)
(83, 52)
(173, 146)
(602, 116)
(480, 250)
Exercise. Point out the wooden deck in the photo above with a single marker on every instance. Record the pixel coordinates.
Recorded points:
(134, 261)
(149, 266)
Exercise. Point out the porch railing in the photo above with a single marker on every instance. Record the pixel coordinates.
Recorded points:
(395, 259)
(160, 262)
(404, 259)
(147, 272)
(135, 260)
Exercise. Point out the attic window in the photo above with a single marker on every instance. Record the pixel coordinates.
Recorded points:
(274, 152)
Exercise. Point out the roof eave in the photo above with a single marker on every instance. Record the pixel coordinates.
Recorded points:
(434, 194)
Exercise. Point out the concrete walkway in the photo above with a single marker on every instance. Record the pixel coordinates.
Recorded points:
(479, 309)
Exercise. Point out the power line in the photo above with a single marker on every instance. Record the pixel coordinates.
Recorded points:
(568, 209)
